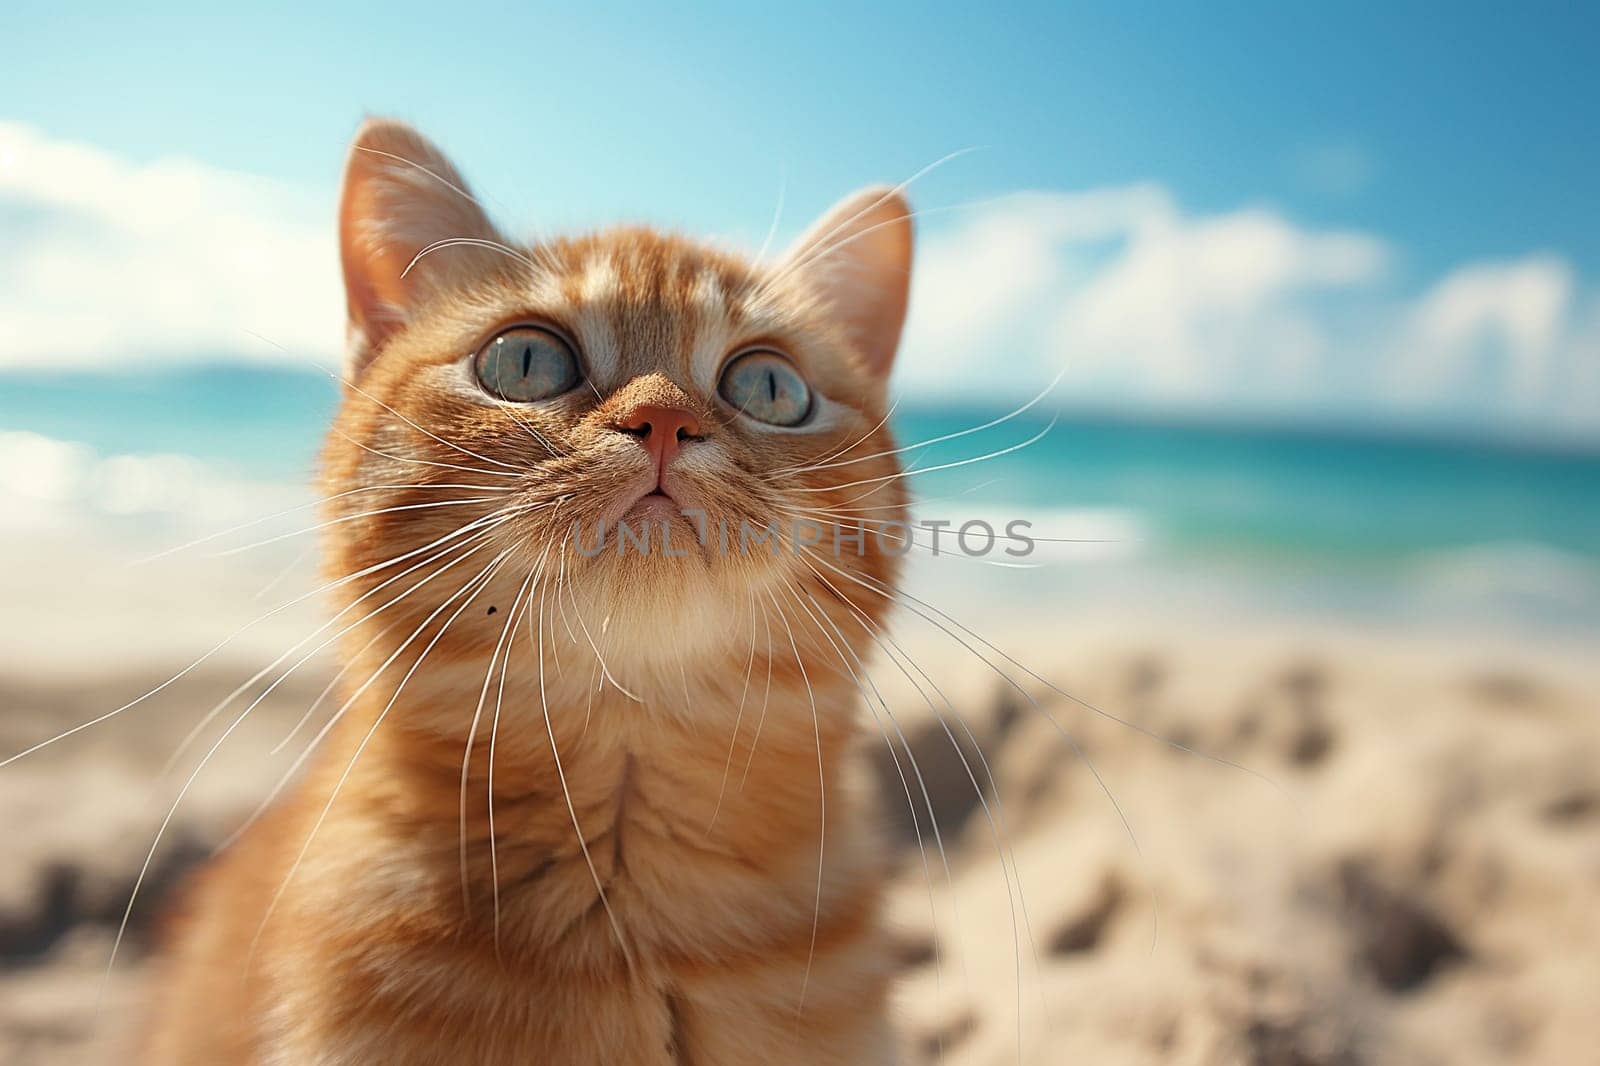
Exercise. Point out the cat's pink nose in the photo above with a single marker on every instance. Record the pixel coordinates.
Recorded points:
(661, 430)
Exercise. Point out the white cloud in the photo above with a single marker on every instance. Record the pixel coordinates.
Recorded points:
(1190, 297)
(1513, 313)
(1129, 295)
(110, 260)
(1144, 305)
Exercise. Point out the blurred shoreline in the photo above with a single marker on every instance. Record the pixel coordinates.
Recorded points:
(1253, 520)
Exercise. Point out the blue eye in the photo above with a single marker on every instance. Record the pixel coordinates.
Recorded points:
(767, 387)
(526, 363)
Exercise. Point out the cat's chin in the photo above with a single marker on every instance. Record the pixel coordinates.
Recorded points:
(658, 610)
(655, 507)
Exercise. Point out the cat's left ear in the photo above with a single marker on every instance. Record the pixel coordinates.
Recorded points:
(857, 257)
(401, 196)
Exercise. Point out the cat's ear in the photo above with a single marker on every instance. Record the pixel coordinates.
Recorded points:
(857, 257)
(401, 196)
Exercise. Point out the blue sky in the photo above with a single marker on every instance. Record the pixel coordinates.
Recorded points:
(1453, 155)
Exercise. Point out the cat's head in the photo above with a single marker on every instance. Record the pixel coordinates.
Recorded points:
(541, 409)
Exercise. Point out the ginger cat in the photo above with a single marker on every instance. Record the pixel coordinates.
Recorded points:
(578, 806)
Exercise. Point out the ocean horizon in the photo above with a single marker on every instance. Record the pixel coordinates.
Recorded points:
(1303, 517)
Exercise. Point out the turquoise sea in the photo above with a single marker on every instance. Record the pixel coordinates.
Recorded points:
(1344, 520)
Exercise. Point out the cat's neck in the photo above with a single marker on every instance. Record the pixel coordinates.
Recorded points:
(671, 801)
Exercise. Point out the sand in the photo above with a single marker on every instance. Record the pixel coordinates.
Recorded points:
(1389, 853)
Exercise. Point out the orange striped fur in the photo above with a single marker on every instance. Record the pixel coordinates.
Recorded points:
(670, 737)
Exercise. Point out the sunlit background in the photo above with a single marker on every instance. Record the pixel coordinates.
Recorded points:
(1327, 309)
(1313, 295)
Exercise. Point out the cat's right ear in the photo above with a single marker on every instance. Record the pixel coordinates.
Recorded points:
(401, 197)
(857, 257)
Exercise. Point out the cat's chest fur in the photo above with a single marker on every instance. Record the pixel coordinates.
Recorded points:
(689, 901)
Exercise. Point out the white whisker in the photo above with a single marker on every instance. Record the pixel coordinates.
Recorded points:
(822, 808)
(1001, 420)
(214, 649)
(572, 811)
(738, 720)
(352, 386)
(862, 682)
(294, 867)
(537, 578)
(501, 644)
(241, 527)
(942, 466)
(338, 715)
(470, 242)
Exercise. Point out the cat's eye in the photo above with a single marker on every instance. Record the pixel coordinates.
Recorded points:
(526, 363)
(767, 387)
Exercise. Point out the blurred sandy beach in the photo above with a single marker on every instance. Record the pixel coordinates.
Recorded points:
(1404, 872)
